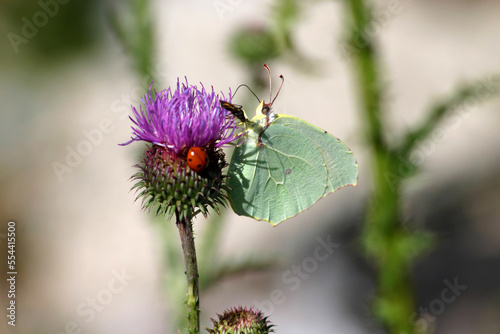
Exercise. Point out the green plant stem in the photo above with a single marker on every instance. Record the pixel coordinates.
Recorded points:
(385, 240)
(384, 234)
(132, 23)
(443, 109)
(185, 227)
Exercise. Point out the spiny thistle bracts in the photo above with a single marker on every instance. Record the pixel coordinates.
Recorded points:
(241, 320)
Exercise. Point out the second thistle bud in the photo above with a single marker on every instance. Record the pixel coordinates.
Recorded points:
(241, 320)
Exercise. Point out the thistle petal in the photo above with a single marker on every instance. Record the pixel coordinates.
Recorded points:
(186, 117)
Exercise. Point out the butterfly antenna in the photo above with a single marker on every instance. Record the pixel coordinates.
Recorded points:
(270, 88)
(282, 81)
(250, 89)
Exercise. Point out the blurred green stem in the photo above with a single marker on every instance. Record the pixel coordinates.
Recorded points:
(185, 227)
(445, 107)
(132, 23)
(384, 234)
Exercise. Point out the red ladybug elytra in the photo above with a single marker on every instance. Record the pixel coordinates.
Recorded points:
(197, 159)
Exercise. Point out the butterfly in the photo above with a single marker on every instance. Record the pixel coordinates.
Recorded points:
(284, 165)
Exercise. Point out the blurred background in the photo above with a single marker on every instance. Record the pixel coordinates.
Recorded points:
(90, 261)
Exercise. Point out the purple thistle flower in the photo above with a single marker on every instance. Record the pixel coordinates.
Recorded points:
(187, 117)
(175, 121)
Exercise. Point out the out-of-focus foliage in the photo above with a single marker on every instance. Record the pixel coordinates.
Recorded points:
(132, 23)
(50, 30)
(262, 43)
(258, 44)
(255, 45)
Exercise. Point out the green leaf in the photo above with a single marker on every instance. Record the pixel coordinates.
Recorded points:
(288, 169)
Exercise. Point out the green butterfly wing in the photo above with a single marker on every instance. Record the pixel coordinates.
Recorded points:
(293, 165)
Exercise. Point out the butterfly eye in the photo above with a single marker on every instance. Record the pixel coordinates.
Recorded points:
(265, 109)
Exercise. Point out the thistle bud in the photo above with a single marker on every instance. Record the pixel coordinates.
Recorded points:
(242, 321)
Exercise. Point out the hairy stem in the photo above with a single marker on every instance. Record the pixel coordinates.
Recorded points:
(384, 236)
(185, 227)
(477, 92)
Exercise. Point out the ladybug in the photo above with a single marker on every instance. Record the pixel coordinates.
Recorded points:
(197, 159)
